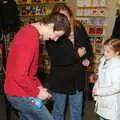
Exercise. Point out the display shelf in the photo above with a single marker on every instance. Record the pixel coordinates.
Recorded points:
(87, 3)
(30, 16)
(35, 9)
(93, 15)
(91, 12)
(90, 16)
(90, 7)
(38, 2)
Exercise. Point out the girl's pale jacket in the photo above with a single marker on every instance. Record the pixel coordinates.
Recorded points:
(108, 89)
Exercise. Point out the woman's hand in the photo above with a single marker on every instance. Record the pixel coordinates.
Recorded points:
(81, 51)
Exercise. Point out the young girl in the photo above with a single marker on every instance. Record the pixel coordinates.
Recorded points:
(68, 76)
(106, 90)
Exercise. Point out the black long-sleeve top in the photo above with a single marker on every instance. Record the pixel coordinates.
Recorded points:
(67, 72)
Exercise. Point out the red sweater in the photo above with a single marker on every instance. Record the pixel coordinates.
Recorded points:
(22, 63)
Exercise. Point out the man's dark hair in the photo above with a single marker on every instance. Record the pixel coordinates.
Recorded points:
(59, 20)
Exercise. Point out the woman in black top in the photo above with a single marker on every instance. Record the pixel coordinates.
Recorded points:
(69, 56)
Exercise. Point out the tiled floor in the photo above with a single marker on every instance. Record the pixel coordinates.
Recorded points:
(89, 113)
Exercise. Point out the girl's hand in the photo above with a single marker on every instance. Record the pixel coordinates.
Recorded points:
(85, 62)
(94, 92)
(81, 51)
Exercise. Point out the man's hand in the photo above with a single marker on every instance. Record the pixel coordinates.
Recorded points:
(43, 94)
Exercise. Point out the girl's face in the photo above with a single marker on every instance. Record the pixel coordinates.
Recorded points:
(56, 34)
(51, 34)
(109, 52)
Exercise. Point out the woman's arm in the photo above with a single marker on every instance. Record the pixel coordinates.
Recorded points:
(83, 45)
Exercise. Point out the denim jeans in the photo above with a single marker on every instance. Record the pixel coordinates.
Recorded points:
(27, 110)
(75, 105)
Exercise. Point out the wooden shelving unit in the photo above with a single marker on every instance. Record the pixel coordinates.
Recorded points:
(32, 10)
(93, 15)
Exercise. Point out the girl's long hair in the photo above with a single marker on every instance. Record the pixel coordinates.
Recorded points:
(62, 6)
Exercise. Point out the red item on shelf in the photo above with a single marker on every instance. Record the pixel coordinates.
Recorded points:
(99, 30)
(91, 30)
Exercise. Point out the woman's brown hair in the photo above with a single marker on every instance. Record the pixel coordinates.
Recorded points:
(62, 6)
(114, 43)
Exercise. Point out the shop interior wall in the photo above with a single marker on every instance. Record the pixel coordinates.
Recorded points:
(111, 16)
(111, 4)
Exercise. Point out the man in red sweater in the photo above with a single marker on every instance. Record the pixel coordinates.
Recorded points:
(21, 86)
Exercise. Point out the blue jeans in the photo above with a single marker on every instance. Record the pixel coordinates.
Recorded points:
(75, 104)
(27, 110)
